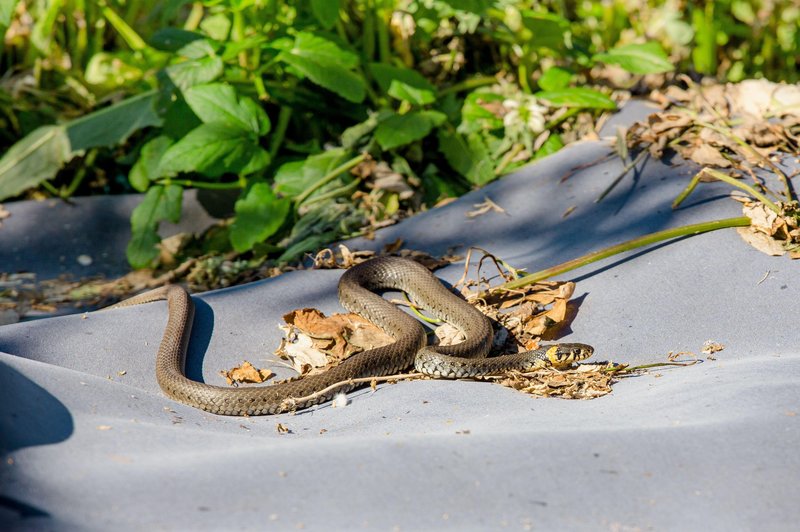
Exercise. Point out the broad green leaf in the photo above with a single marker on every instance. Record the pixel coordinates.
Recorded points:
(113, 125)
(326, 64)
(212, 150)
(480, 112)
(550, 146)
(321, 50)
(145, 169)
(386, 74)
(43, 152)
(468, 156)
(546, 30)
(353, 134)
(399, 130)
(7, 8)
(648, 58)
(577, 97)
(412, 95)
(218, 103)
(173, 39)
(35, 158)
(290, 180)
(160, 203)
(195, 71)
(294, 178)
(326, 12)
(217, 26)
(258, 215)
(555, 78)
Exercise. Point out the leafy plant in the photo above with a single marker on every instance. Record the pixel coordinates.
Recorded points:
(326, 116)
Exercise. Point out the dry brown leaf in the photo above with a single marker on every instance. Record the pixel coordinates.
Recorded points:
(710, 347)
(770, 232)
(707, 155)
(246, 372)
(280, 428)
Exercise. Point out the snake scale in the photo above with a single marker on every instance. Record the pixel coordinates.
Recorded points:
(356, 293)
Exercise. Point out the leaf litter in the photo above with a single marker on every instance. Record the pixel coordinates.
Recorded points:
(521, 319)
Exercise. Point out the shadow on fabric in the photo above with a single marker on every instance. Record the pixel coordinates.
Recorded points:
(29, 415)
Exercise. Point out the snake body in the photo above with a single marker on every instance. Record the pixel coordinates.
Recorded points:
(356, 293)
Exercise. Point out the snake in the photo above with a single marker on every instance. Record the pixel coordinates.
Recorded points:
(357, 291)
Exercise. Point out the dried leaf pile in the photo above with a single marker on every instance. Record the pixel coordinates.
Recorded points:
(770, 232)
(734, 125)
(313, 342)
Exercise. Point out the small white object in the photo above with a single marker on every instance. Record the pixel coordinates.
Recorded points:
(340, 400)
(84, 260)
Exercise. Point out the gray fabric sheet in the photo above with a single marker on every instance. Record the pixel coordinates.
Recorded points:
(711, 446)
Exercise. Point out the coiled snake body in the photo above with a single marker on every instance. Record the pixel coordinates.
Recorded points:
(356, 287)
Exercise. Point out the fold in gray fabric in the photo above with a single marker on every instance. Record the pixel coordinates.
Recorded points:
(91, 443)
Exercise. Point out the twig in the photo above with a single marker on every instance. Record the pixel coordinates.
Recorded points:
(290, 402)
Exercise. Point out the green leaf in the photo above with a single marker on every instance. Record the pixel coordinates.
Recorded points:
(42, 153)
(7, 8)
(145, 169)
(35, 158)
(113, 125)
(399, 130)
(213, 150)
(195, 71)
(555, 78)
(546, 30)
(386, 74)
(326, 64)
(476, 114)
(550, 146)
(326, 12)
(218, 103)
(468, 156)
(173, 39)
(412, 95)
(160, 203)
(353, 134)
(577, 97)
(258, 216)
(648, 58)
(294, 178)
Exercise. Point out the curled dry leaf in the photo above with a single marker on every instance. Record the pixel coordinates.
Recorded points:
(315, 341)
(246, 373)
(769, 232)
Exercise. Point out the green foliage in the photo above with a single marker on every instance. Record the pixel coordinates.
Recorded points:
(243, 95)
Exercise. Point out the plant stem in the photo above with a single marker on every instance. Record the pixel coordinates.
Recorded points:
(284, 115)
(469, 84)
(129, 34)
(199, 184)
(652, 238)
(330, 176)
(195, 17)
(727, 179)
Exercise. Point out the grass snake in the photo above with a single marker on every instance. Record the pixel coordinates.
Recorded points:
(357, 288)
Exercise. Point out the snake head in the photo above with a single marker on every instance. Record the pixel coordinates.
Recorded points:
(562, 355)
